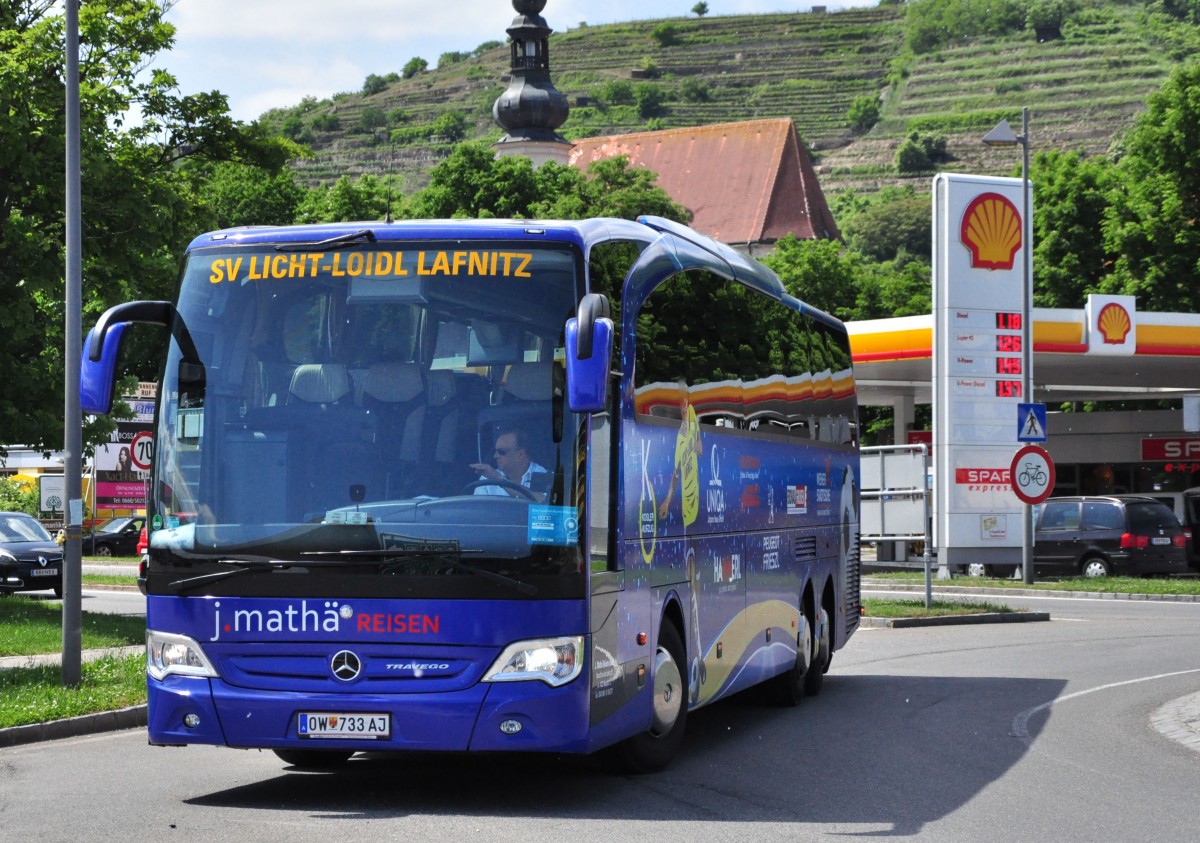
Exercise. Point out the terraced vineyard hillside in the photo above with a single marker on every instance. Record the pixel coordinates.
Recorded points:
(1083, 90)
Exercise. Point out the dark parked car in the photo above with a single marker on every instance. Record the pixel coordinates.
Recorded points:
(1191, 522)
(1114, 534)
(115, 537)
(30, 560)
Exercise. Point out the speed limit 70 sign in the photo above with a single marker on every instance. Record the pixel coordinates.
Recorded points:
(141, 450)
(1032, 473)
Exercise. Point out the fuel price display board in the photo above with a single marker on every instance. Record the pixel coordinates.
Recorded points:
(980, 333)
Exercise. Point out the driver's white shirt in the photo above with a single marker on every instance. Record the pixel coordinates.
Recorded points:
(526, 479)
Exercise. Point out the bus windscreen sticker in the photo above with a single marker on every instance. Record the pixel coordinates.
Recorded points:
(557, 525)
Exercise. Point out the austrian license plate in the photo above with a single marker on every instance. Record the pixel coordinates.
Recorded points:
(337, 724)
(44, 572)
(1160, 540)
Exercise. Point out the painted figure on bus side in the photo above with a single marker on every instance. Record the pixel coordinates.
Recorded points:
(688, 450)
(687, 464)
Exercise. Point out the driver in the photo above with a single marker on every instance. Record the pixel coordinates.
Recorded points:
(513, 465)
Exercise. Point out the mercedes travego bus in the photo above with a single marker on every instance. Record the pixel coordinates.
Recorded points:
(486, 486)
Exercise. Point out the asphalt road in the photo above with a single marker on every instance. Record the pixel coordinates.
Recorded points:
(1015, 732)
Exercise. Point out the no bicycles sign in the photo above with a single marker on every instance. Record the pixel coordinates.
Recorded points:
(1032, 473)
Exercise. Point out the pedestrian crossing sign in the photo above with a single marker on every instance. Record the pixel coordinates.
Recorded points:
(1031, 422)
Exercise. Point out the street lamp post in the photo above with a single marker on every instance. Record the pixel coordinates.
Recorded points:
(1003, 136)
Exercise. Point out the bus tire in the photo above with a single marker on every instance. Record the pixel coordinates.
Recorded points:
(814, 679)
(314, 759)
(788, 687)
(653, 749)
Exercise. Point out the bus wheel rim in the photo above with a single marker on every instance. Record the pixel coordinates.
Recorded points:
(668, 692)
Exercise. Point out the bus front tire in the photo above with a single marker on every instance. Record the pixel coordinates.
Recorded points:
(314, 759)
(653, 749)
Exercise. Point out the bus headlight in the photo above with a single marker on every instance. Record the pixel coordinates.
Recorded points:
(167, 653)
(555, 661)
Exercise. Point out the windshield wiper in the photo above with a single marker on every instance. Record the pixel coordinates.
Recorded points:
(241, 566)
(339, 242)
(441, 554)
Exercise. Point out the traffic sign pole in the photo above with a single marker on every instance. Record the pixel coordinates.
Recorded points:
(1032, 478)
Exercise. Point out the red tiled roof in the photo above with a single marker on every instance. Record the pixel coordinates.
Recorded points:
(749, 182)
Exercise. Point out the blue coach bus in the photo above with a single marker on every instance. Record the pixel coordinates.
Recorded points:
(336, 564)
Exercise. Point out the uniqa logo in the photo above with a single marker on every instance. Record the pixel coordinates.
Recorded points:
(991, 231)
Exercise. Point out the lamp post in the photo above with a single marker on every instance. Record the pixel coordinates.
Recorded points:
(1003, 136)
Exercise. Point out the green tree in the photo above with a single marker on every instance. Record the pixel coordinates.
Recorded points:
(451, 125)
(896, 222)
(139, 204)
(649, 98)
(700, 10)
(368, 198)
(864, 113)
(238, 194)
(666, 34)
(374, 84)
(370, 118)
(695, 90)
(818, 271)
(414, 67)
(931, 23)
(1071, 198)
(1153, 223)
(18, 496)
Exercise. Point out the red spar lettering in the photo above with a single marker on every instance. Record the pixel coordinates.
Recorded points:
(982, 475)
(382, 622)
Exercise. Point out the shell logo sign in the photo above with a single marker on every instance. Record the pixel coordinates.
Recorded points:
(1114, 323)
(991, 230)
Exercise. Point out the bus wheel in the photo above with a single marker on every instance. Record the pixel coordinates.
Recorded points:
(314, 759)
(653, 749)
(789, 685)
(822, 656)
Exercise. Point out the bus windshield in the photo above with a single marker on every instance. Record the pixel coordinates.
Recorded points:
(369, 418)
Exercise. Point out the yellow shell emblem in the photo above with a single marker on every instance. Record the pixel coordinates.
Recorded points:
(991, 230)
(1114, 323)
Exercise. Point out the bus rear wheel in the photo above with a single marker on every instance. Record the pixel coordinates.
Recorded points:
(814, 679)
(653, 749)
(789, 685)
(314, 759)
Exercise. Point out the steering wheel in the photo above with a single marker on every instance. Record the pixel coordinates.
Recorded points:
(505, 484)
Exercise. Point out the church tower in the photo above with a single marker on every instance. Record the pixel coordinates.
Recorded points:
(531, 109)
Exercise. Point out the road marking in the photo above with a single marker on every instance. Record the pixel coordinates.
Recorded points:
(1020, 728)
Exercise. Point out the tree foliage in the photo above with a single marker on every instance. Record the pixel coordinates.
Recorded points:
(1071, 198)
(1153, 224)
(138, 204)
(930, 24)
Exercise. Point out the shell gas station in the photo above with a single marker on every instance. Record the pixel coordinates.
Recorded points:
(968, 357)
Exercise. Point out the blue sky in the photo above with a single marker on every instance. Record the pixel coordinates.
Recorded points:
(271, 53)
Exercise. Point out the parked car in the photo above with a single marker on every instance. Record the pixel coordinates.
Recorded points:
(1191, 522)
(30, 560)
(1113, 534)
(143, 543)
(115, 537)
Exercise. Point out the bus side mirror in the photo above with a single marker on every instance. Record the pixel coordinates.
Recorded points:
(589, 338)
(97, 378)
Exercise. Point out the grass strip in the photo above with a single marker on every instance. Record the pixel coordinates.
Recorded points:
(873, 608)
(1104, 585)
(32, 627)
(37, 695)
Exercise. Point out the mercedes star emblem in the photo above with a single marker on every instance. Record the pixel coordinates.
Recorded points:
(345, 665)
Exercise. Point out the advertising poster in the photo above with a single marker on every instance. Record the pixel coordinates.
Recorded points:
(123, 465)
